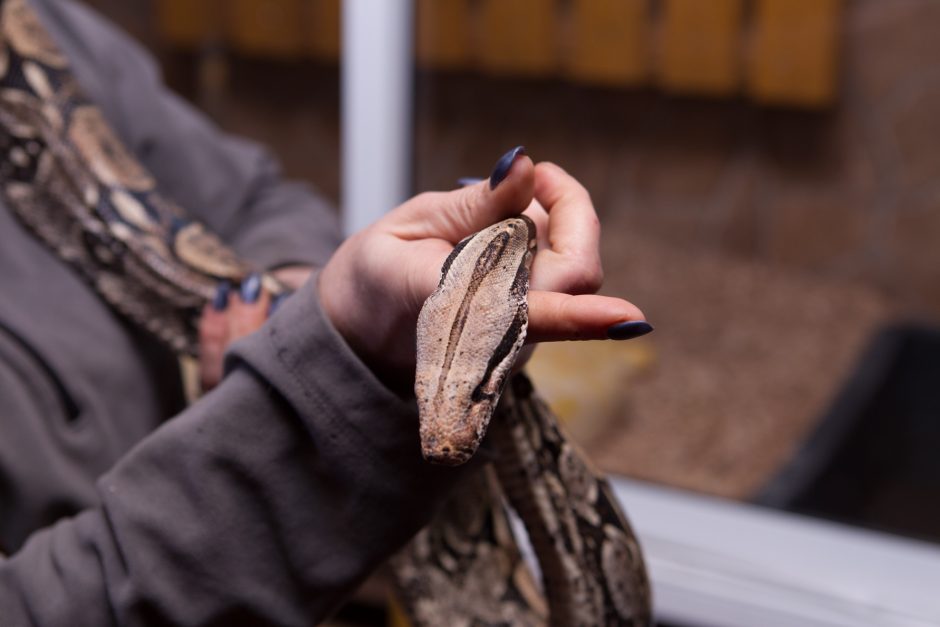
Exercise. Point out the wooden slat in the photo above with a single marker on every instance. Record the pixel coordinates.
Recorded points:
(608, 41)
(324, 16)
(186, 23)
(268, 27)
(517, 37)
(700, 46)
(443, 38)
(795, 52)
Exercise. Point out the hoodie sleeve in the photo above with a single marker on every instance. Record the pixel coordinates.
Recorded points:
(266, 502)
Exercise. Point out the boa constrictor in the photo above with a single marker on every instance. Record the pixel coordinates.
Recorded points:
(69, 178)
(466, 569)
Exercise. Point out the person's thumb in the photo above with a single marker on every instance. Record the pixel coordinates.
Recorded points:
(456, 214)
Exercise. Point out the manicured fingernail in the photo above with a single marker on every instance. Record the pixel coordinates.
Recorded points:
(467, 181)
(277, 301)
(628, 330)
(220, 302)
(502, 167)
(251, 288)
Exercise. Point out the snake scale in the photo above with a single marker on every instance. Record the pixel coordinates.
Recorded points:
(71, 181)
(466, 566)
(69, 178)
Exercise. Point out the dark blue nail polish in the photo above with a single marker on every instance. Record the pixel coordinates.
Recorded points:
(502, 167)
(220, 302)
(277, 301)
(251, 288)
(628, 330)
(467, 181)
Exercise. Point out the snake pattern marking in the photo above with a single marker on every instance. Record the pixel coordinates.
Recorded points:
(70, 180)
(465, 569)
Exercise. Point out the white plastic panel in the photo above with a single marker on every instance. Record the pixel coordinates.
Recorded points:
(718, 563)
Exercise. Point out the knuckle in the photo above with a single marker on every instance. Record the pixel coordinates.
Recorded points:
(595, 278)
(589, 199)
(584, 277)
(468, 201)
(426, 198)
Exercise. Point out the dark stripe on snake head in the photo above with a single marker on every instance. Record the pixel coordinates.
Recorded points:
(452, 256)
(485, 390)
(488, 259)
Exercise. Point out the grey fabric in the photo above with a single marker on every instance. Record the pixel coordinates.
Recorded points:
(118, 384)
(263, 503)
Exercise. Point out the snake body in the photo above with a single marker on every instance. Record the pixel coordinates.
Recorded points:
(470, 331)
(70, 180)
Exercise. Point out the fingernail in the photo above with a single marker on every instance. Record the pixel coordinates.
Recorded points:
(628, 330)
(277, 301)
(502, 167)
(467, 181)
(251, 288)
(220, 302)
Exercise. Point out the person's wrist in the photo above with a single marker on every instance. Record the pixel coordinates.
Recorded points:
(376, 333)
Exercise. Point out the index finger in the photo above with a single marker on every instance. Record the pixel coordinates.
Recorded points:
(555, 317)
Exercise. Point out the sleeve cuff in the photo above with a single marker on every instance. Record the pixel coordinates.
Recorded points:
(338, 397)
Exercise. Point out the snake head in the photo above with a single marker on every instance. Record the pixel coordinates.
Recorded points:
(470, 332)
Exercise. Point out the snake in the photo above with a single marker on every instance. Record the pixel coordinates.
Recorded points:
(70, 180)
(466, 568)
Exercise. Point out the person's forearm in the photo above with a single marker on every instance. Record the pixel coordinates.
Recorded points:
(266, 502)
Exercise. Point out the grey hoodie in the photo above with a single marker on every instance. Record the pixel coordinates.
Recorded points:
(263, 503)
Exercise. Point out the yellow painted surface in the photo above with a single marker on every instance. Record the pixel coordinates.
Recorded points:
(187, 23)
(587, 383)
(443, 37)
(700, 46)
(268, 27)
(396, 614)
(608, 41)
(516, 36)
(795, 52)
(324, 17)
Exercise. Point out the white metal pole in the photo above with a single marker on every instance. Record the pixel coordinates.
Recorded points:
(377, 64)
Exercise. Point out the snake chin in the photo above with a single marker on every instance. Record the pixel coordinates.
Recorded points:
(446, 453)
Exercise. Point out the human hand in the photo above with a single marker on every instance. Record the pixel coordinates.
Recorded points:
(375, 284)
(233, 315)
